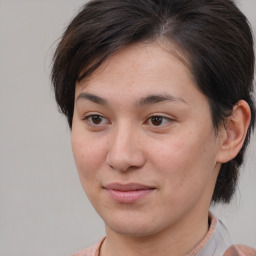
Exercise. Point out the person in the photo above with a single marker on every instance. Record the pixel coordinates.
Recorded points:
(159, 98)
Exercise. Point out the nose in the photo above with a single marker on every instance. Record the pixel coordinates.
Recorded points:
(125, 150)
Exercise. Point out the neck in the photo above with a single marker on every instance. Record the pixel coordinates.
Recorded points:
(176, 241)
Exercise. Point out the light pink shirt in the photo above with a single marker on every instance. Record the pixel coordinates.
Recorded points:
(215, 243)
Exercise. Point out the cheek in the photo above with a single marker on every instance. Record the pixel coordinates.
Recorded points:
(186, 173)
(89, 155)
(186, 160)
(172, 155)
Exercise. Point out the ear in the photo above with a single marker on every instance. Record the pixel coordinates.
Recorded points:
(234, 132)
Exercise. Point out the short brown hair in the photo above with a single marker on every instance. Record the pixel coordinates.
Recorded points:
(214, 36)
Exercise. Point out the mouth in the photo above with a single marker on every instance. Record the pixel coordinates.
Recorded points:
(128, 193)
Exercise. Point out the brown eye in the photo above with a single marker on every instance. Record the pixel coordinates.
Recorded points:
(156, 120)
(96, 119)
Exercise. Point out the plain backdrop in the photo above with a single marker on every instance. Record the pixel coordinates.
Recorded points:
(43, 209)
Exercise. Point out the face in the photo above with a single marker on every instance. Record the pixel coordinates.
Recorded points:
(143, 142)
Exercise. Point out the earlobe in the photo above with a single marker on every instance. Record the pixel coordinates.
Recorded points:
(234, 132)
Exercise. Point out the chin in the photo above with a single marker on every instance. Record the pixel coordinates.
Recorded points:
(132, 230)
(133, 227)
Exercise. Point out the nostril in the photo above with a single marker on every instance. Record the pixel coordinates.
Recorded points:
(125, 153)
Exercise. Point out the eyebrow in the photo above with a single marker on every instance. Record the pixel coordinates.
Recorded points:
(152, 99)
(91, 97)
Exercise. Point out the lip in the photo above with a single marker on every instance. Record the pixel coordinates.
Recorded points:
(128, 193)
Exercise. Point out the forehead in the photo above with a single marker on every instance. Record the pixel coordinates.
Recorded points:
(138, 59)
(139, 72)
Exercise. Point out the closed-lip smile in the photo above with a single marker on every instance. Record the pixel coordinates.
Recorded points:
(128, 193)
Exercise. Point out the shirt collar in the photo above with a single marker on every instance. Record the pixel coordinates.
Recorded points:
(215, 242)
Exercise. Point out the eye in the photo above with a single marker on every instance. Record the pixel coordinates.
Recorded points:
(95, 120)
(158, 120)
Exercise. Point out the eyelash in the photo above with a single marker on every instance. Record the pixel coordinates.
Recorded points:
(161, 117)
(89, 119)
(149, 121)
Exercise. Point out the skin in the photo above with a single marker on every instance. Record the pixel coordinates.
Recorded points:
(177, 154)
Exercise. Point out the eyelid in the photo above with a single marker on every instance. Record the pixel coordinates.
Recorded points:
(87, 117)
(163, 116)
(91, 113)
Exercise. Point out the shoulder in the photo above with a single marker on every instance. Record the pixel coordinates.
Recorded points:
(90, 251)
(240, 250)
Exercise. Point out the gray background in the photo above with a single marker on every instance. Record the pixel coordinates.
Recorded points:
(43, 210)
